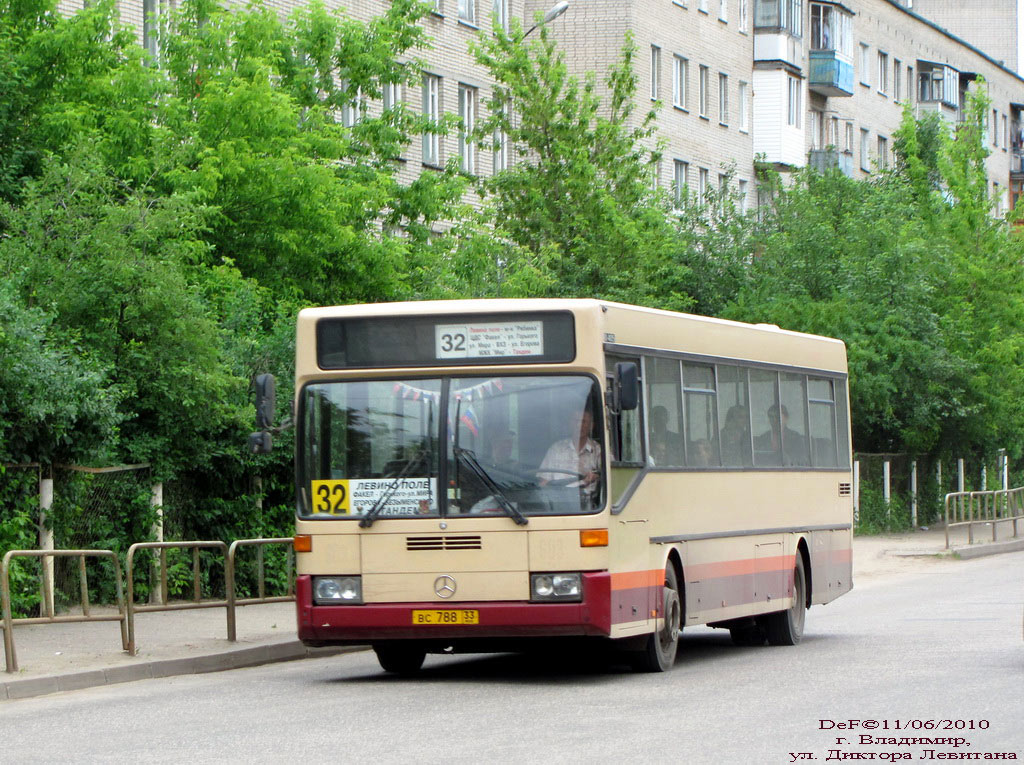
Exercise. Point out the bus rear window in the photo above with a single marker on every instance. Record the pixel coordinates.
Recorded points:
(454, 340)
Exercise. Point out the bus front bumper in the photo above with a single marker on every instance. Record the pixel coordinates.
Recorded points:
(338, 625)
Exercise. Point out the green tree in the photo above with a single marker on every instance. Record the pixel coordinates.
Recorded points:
(578, 197)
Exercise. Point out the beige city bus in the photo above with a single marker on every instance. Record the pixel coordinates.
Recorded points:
(486, 475)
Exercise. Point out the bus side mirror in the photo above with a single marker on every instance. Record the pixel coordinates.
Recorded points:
(265, 388)
(627, 386)
(266, 399)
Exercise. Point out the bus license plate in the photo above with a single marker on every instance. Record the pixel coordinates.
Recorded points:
(449, 616)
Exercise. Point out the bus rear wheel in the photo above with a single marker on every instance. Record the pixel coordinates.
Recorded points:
(399, 658)
(659, 653)
(787, 627)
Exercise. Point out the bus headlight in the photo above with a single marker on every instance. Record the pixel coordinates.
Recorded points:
(337, 590)
(560, 587)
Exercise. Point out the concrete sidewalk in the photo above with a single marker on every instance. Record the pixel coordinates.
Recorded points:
(70, 656)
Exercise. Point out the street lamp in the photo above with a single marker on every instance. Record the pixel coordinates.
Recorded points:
(556, 10)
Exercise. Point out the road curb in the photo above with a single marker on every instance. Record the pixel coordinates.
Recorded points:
(192, 665)
(962, 551)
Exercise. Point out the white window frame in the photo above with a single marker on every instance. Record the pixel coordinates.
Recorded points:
(431, 91)
(500, 11)
(794, 100)
(744, 16)
(655, 72)
(702, 6)
(865, 64)
(467, 12)
(392, 95)
(882, 152)
(744, 108)
(500, 142)
(680, 75)
(743, 191)
(883, 72)
(703, 95)
(704, 177)
(680, 180)
(467, 117)
(723, 99)
(865, 150)
(723, 10)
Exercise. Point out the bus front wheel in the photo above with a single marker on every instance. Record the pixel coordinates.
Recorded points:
(399, 658)
(659, 653)
(787, 627)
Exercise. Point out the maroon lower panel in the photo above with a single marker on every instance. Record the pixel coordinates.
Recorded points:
(378, 621)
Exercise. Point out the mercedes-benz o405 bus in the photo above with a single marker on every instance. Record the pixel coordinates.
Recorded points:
(486, 475)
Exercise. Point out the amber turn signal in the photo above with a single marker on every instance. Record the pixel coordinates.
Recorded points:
(303, 543)
(594, 538)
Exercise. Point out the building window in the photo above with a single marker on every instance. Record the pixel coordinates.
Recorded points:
(742, 201)
(655, 72)
(392, 94)
(703, 105)
(680, 181)
(723, 10)
(353, 108)
(865, 59)
(702, 6)
(500, 144)
(995, 128)
(702, 187)
(815, 119)
(848, 138)
(865, 146)
(897, 77)
(467, 115)
(781, 15)
(793, 102)
(432, 111)
(883, 73)
(744, 111)
(883, 152)
(743, 15)
(723, 99)
(1006, 134)
(831, 29)
(680, 76)
(938, 83)
(910, 84)
(467, 11)
(500, 11)
(150, 27)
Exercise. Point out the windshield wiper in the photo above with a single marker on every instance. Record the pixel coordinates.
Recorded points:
(367, 520)
(474, 465)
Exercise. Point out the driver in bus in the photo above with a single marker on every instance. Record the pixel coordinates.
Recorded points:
(576, 458)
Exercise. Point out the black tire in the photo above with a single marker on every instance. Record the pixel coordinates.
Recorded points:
(659, 653)
(787, 627)
(399, 658)
(748, 635)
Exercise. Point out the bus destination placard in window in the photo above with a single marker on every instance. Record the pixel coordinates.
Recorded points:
(490, 340)
(374, 342)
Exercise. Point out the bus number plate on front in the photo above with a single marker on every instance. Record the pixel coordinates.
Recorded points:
(448, 616)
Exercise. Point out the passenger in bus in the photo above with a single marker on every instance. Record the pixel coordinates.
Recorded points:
(735, 437)
(666, 446)
(501, 446)
(577, 455)
(788, 446)
(702, 453)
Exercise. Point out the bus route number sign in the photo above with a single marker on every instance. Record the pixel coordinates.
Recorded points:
(490, 340)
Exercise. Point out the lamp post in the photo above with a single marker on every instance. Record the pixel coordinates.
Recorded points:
(556, 10)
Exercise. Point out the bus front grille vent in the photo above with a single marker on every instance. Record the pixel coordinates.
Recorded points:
(845, 490)
(443, 543)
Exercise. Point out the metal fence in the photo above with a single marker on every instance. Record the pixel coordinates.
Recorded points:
(984, 508)
(127, 608)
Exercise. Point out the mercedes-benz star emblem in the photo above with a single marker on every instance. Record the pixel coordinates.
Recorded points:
(444, 586)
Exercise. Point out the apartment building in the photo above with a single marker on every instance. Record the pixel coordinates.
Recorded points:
(790, 82)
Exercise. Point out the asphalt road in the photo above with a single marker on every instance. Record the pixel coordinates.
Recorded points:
(935, 643)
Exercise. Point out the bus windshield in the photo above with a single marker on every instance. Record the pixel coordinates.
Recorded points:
(520, 445)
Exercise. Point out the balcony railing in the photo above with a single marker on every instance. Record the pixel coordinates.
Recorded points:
(830, 75)
(1017, 160)
(824, 160)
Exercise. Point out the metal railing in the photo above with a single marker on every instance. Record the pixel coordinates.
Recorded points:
(971, 508)
(49, 616)
(259, 544)
(197, 600)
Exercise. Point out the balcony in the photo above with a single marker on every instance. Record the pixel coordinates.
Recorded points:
(823, 160)
(830, 75)
(1017, 162)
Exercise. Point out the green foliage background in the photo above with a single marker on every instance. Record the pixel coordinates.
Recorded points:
(161, 222)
